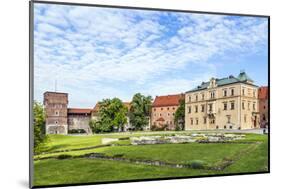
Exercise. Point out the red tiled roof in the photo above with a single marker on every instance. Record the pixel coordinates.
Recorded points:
(79, 111)
(169, 100)
(160, 119)
(263, 92)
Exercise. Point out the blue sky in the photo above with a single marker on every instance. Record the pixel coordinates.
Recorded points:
(96, 53)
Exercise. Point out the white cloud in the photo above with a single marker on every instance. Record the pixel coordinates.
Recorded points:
(85, 47)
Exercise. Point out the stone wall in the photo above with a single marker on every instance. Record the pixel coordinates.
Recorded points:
(79, 121)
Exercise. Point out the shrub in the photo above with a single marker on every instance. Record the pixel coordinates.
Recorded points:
(64, 156)
(75, 131)
(197, 164)
(124, 138)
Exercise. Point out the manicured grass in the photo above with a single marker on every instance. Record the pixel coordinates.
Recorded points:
(176, 153)
(62, 142)
(50, 172)
(256, 161)
(247, 155)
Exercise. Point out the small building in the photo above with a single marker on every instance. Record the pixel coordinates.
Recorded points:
(163, 111)
(225, 103)
(263, 106)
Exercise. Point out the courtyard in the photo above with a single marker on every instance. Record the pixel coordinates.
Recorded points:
(89, 159)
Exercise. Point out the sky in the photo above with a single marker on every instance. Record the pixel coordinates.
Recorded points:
(94, 53)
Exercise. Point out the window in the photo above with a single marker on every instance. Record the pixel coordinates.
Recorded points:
(243, 92)
(224, 127)
(173, 113)
(263, 107)
(154, 109)
(57, 113)
(254, 106)
(196, 109)
(189, 98)
(212, 94)
(56, 122)
(167, 108)
(160, 114)
(197, 121)
(232, 105)
(196, 97)
(217, 127)
(161, 108)
(173, 108)
(171, 122)
(203, 96)
(189, 109)
(224, 92)
(243, 105)
(205, 120)
(230, 127)
(168, 114)
(249, 105)
(225, 106)
(254, 93)
(228, 118)
(210, 107)
(202, 108)
(191, 121)
(232, 92)
(245, 118)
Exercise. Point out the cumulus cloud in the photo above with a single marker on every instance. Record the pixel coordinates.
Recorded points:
(95, 53)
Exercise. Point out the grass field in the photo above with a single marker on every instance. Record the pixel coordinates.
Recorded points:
(246, 155)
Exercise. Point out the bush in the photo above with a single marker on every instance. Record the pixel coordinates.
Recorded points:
(64, 156)
(197, 164)
(124, 138)
(159, 128)
(75, 131)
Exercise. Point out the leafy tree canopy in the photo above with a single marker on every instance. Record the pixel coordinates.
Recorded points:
(179, 118)
(112, 114)
(140, 111)
(39, 127)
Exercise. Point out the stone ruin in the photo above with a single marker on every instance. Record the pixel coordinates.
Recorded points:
(177, 139)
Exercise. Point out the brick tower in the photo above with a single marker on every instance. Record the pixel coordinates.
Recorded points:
(55, 104)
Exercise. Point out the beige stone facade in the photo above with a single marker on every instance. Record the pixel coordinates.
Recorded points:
(227, 103)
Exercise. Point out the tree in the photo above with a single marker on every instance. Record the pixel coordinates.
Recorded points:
(140, 111)
(180, 116)
(40, 137)
(112, 114)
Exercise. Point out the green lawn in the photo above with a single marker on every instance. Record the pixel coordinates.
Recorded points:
(50, 172)
(249, 156)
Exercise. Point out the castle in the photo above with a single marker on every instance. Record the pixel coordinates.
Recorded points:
(226, 103)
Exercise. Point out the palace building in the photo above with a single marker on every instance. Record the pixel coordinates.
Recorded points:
(163, 111)
(226, 103)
